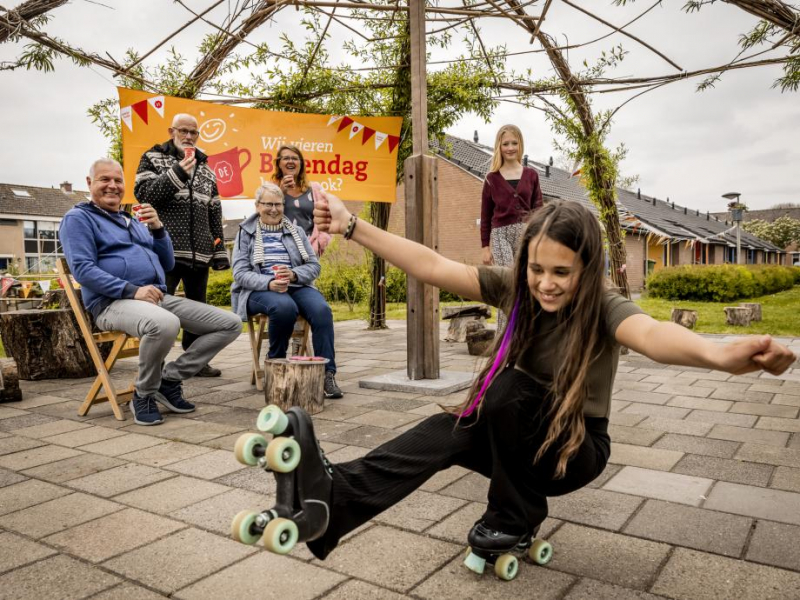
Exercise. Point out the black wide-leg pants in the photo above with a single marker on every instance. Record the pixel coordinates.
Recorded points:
(499, 444)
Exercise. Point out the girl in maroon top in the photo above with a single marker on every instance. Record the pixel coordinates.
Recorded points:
(510, 193)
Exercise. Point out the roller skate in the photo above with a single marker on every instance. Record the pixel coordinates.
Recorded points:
(304, 481)
(502, 549)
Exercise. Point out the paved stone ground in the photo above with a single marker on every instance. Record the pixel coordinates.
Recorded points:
(701, 499)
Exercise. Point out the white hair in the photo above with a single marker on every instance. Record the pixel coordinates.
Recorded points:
(102, 161)
(269, 188)
(180, 116)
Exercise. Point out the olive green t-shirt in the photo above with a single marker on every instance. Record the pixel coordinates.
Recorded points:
(541, 357)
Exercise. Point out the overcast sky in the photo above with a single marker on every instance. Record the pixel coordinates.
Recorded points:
(689, 146)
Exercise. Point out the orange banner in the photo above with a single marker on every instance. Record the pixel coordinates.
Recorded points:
(353, 157)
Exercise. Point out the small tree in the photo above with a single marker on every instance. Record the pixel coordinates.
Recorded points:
(782, 232)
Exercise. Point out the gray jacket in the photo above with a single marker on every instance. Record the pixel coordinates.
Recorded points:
(247, 276)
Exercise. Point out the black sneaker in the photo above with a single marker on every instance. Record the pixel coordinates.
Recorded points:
(208, 371)
(170, 394)
(331, 389)
(145, 410)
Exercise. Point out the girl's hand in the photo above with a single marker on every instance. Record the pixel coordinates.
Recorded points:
(486, 256)
(330, 214)
(754, 354)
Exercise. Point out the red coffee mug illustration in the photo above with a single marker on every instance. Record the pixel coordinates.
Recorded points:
(228, 169)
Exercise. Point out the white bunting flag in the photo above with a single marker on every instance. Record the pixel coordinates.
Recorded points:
(354, 129)
(333, 120)
(157, 103)
(45, 285)
(126, 115)
(380, 138)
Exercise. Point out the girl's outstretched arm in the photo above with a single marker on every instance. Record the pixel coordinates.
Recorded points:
(670, 343)
(415, 259)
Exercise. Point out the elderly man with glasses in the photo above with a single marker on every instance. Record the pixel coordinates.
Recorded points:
(274, 269)
(175, 178)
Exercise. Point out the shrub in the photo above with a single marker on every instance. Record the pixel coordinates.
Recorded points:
(218, 291)
(720, 283)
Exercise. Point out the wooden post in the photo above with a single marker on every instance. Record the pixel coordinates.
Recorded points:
(421, 212)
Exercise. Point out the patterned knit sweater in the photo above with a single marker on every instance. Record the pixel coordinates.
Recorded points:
(187, 204)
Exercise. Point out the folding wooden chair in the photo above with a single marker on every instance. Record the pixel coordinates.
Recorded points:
(257, 327)
(123, 346)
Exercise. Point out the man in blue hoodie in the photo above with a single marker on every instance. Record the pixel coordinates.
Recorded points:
(120, 263)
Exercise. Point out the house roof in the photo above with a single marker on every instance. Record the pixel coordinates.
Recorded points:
(30, 201)
(636, 211)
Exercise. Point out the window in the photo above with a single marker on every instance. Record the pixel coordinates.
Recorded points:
(29, 229)
(21, 193)
(8, 222)
(42, 246)
(4, 264)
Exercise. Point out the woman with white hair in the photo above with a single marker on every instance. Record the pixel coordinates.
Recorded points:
(274, 268)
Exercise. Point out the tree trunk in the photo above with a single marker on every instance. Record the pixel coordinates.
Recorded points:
(457, 331)
(290, 383)
(46, 344)
(686, 318)
(755, 310)
(737, 315)
(479, 338)
(9, 381)
(379, 217)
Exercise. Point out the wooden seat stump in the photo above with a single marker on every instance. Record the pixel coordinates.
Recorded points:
(123, 346)
(258, 330)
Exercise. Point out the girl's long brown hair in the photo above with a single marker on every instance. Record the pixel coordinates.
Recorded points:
(497, 156)
(301, 178)
(579, 323)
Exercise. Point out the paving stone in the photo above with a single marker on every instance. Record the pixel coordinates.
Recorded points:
(746, 396)
(17, 496)
(266, 575)
(331, 430)
(624, 419)
(119, 480)
(397, 404)
(710, 416)
(696, 445)
(123, 444)
(786, 478)
(652, 410)
(384, 418)
(365, 435)
(443, 478)
(346, 453)
(24, 420)
(165, 453)
(637, 386)
(595, 507)
(253, 402)
(589, 589)
(58, 514)
(642, 396)
(762, 503)
(772, 455)
(633, 435)
(7, 413)
(114, 534)
(607, 474)
(221, 396)
(794, 441)
(128, 591)
(84, 436)
(606, 556)
(338, 412)
(51, 428)
(661, 486)
(674, 389)
(73, 468)
(745, 434)
(360, 590)
(638, 456)
(676, 426)
(238, 418)
(768, 410)
(10, 477)
(12, 443)
(170, 495)
(700, 403)
(254, 480)
(693, 575)
(474, 487)
(420, 510)
(691, 527)
(191, 555)
(210, 465)
(775, 544)
(724, 469)
(786, 400)
(454, 582)
(56, 577)
(26, 459)
(16, 551)
(196, 432)
(216, 514)
(391, 558)
(776, 424)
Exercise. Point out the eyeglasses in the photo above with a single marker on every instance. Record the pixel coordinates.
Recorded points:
(191, 132)
(271, 205)
(288, 159)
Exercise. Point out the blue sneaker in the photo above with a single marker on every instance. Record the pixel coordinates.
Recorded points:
(145, 410)
(170, 394)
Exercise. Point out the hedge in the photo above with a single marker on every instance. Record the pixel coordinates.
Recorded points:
(720, 283)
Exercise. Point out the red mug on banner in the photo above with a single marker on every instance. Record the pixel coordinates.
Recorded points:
(228, 170)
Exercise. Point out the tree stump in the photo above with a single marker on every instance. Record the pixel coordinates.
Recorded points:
(479, 338)
(9, 381)
(46, 344)
(686, 318)
(737, 315)
(755, 310)
(457, 331)
(290, 383)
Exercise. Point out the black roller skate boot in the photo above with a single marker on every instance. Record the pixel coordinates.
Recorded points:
(502, 549)
(303, 476)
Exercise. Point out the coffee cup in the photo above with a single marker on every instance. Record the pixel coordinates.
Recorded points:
(135, 211)
(188, 151)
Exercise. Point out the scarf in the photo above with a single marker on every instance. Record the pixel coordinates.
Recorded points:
(258, 246)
